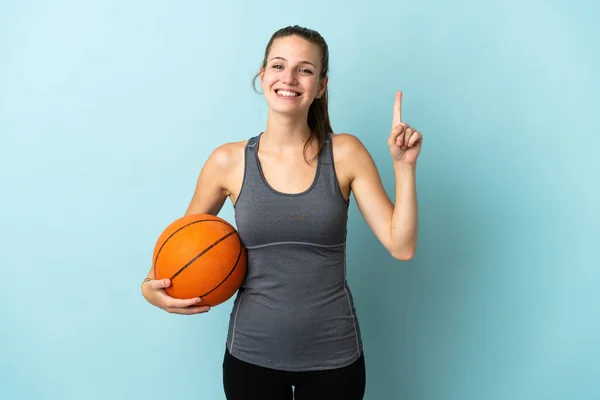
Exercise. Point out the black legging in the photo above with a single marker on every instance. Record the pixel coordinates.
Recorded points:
(243, 381)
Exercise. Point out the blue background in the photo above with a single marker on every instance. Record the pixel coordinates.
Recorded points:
(109, 109)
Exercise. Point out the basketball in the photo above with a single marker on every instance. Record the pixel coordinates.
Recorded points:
(203, 256)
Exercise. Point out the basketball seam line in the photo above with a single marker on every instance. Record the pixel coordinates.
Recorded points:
(211, 246)
(185, 226)
(201, 254)
(229, 274)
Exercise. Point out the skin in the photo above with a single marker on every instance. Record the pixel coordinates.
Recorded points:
(294, 64)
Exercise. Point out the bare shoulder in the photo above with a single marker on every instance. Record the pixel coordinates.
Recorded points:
(227, 161)
(218, 178)
(228, 155)
(347, 145)
(349, 152)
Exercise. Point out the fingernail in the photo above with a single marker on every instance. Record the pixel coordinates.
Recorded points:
(198, 300)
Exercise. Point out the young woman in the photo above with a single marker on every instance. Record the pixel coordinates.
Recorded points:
(293, 329)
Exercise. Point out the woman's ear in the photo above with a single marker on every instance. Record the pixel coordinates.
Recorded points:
(322, 87)
(261, 76)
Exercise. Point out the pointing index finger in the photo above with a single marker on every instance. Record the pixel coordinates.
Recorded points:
(397, 119)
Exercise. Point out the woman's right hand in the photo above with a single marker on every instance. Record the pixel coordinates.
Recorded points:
(154, 292)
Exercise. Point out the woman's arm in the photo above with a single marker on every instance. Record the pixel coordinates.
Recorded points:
(211, 187)
(394, 224)
(210, 192)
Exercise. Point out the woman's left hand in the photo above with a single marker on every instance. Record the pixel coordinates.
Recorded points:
(404, 141)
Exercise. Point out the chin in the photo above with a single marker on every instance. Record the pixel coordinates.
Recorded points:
(287, 109)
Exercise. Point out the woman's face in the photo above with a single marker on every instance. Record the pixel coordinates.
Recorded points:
(290, 79)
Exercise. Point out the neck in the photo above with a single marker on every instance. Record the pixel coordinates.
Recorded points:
(285, 133)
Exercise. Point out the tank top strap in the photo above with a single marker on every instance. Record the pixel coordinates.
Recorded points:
(251, 168)
(251, 178)
(328, 175)
(252, 144)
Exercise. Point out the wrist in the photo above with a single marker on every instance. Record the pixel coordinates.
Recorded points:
(401, 166)
(144, 282)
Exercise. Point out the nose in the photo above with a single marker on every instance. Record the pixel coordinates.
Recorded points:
(289, 77)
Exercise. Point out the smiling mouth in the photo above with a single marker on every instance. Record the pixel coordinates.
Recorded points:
(287, 93)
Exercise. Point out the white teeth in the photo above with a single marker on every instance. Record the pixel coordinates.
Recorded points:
(286, 93)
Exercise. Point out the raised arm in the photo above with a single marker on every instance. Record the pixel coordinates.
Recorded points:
(394, 224)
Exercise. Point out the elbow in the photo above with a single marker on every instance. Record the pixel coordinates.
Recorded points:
(404, 254)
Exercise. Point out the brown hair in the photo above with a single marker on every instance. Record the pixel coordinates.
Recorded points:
(318, 113)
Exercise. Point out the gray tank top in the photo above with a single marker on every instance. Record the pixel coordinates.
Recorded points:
(294, 311)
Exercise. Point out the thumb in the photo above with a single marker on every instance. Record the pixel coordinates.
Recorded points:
(160, 283)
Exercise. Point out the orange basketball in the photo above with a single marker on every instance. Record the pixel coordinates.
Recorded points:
(203, 256)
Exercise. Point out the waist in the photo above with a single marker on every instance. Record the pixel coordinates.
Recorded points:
(291, 334)
(295, 309)
(291, 283)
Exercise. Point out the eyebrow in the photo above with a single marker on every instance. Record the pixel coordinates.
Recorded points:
(301, 62)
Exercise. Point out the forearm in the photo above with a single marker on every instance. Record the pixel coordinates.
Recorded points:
(404, 225)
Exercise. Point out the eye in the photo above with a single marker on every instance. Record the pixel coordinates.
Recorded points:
(276, 66)
(306, 71)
